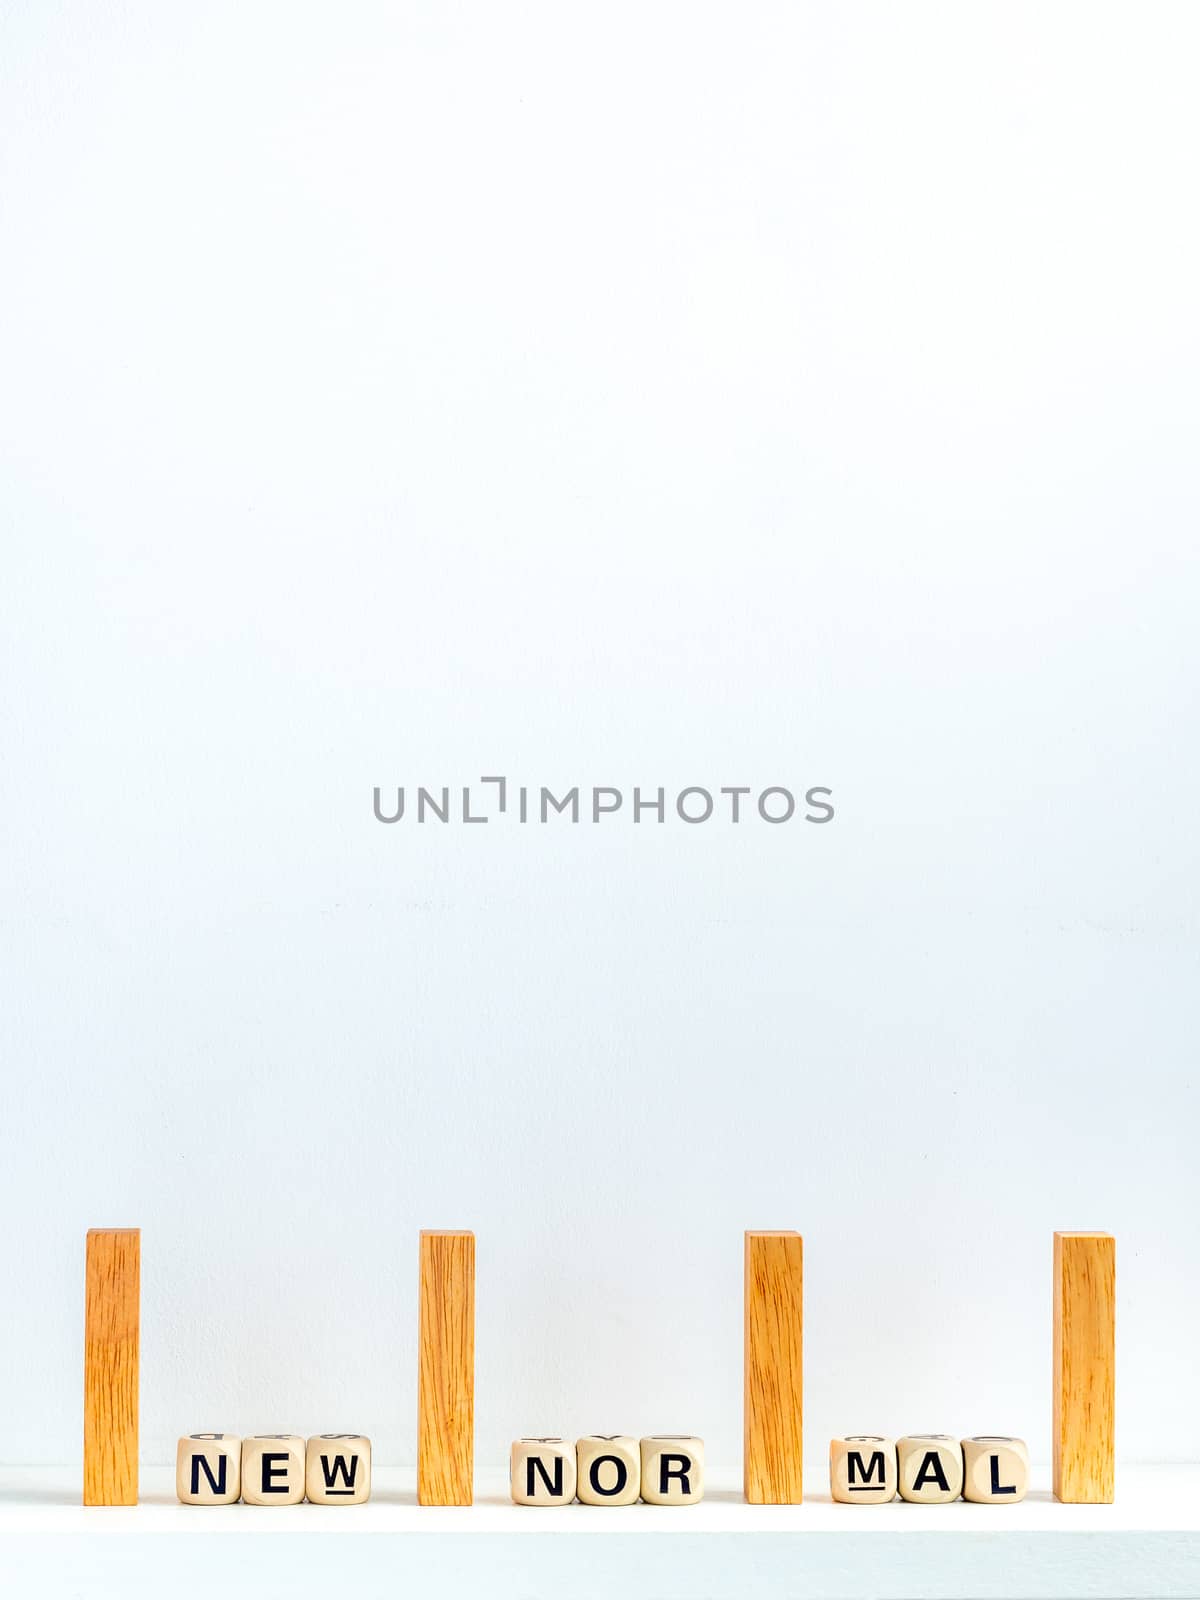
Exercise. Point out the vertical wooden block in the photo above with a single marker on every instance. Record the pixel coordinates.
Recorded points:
(1084, 1363)
(110, 1367)
(774, 1369)
(446, 1370)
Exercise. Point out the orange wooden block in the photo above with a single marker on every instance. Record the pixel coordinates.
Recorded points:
(110, 1367)
(446, 1371)
(1084, 1362)
(773, 1454)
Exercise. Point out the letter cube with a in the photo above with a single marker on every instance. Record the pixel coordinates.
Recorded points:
(862, 1469)
(338, 1469)
(930, 1468)
(542, 1472)
(672, 1469)
(609, 1469)
(273, 1469)
(208, 1469)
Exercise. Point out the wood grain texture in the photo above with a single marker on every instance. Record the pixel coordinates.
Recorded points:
(446, 1371)
(1084, 1363)
(773, 1453)
(110, 1367)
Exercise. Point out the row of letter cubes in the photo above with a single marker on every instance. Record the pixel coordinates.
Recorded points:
(608, 1470)
(273, 1469)
(928, 1468)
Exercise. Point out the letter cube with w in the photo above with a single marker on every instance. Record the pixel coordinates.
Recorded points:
(208, 1469)
(542, 1472)
(337, 1469)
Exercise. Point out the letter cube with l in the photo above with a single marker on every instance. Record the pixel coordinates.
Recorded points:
(995, 1470)
(862, 1469)
(672, 1469)
(929, 1468)
(609, 1469)
(208, 1469)
(338, 1469)
(542, 1472)
(273, 1469)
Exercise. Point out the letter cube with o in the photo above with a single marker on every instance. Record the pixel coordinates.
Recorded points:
(273, 1469)
(672, 1469)
(338, 1469)
(862, 1469)
(930, 1468)
(995, 1470)
(542, 1472)
(208, 1469)
(609, 1469)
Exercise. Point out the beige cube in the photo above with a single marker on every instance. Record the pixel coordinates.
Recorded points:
(929, 1468)
(208, 1469)
(542, 1471)
(672, 1469)
(608, 1469)
(995, 1470)
(273, 1469)
(337, 1469)
(862, 1469)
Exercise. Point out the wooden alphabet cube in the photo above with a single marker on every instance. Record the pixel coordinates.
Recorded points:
(208, 1469)
(995, 1470)
(608, 1469)
(542, 1472)
(672, 1469)
(273, 1469)
(862, 1469)
(929, 1468)
(338, 1469)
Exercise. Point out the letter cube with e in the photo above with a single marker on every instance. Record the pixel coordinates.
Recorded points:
(338, 1469)
(672, 1469)
(929, 1468)
(273, 1469)
(609, 1469)
(208, 1469)
(995, 1469)
(862, 1469)
(542, 1472)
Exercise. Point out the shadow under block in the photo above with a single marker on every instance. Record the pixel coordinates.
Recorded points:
(446, 1370)
(774, 1369)
(1084, 1362)
(110, 1367)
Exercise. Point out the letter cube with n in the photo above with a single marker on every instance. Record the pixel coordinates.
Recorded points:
(208, 1469)
(542, 1472)
(672, 1469)
(862, 1469)
(273, 1469)
(338, 1469)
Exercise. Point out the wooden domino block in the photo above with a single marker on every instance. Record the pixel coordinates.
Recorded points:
(110, 1367)
(1084, 1360)
(774, 1371)
(446, 1370)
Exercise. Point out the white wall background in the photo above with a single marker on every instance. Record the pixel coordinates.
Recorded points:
(624, 394)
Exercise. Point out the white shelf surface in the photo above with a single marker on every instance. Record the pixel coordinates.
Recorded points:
(1146, 1544)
